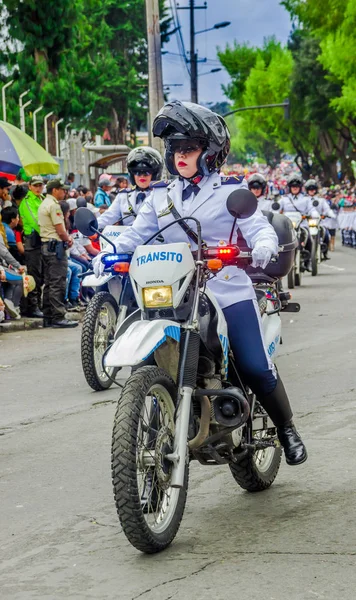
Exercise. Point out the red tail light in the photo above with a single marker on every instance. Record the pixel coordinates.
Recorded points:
(222, 252)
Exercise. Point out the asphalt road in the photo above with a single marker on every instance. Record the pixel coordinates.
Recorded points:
(59, 534)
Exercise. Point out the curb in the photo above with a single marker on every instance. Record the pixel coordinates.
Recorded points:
(26, 323)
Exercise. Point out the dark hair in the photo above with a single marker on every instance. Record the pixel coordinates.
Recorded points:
(9, 213)
(121, 179)
(65, 207)
(19, 192)
(71, 175)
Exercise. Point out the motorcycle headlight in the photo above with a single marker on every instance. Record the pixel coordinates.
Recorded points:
(157, 297)
(313, 222)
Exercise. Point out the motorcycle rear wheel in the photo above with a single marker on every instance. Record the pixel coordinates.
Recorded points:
(256, 472)
(97, 334)
(150, 511)
(291, 278)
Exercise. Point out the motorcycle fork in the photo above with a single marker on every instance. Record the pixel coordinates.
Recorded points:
(187, 374)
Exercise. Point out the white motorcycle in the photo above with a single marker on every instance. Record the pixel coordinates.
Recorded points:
(189, 402)
(295, 274)
(314, 231)
(105, 312)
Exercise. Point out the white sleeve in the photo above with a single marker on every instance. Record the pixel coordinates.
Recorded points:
(112, 215)
(144, 226)
(258, 232)
(326, 210)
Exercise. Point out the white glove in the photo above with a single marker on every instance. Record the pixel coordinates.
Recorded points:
(261, 256)
(98, 266)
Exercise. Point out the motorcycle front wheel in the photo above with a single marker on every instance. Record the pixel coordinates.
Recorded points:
(98, 333)
(149, 509)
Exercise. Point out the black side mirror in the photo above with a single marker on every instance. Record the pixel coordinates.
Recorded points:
(315, 202)
(241, 204)
(276, 206)
(85, 221)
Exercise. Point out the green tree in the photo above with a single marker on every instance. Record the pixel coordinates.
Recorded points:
(83, 59)
(328, 34)
(259, 76)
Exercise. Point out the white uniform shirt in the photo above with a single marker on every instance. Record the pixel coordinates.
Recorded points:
(323, 207)
(266, 204)
(125, 206)
(299, 203)
(231, 284)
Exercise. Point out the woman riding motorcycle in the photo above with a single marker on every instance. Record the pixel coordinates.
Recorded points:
(197, 143)
(144, 165)
(323, 208)
(258, 185)
(296, 201)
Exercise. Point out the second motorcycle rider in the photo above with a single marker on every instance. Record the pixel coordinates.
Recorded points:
(144, 165)
(197, 143)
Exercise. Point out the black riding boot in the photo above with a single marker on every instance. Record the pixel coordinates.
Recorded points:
(278, 408)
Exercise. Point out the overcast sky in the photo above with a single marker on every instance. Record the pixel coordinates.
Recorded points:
(251, 21)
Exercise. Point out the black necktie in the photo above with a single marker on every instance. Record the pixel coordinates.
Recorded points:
(192, 188)
(141, 196)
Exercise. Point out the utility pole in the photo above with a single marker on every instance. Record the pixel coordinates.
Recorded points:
(155, 79)
(193, 54)
(193, 57)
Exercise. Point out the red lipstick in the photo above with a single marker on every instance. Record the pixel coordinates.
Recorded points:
(181, 163)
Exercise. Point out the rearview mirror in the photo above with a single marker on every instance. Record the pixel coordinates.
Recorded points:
(276, 206)
(85, 221)
(241, 204)
(316, 203)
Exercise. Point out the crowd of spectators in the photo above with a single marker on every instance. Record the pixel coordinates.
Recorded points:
(21, 259)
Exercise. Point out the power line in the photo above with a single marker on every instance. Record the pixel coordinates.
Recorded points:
(178, 33)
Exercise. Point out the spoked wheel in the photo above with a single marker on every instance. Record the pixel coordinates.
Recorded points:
(256, 472)
(97, 335)
(149, 509)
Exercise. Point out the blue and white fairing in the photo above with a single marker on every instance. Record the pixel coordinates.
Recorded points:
(171, 265)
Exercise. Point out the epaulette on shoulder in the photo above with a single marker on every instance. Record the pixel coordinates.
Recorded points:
(160, 184)
(125, 191)
(232, 179)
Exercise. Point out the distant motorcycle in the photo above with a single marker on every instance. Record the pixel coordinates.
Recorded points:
(112, 302)
(315, 234)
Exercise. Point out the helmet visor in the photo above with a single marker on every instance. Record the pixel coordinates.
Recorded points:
(255, 186)
(183, 146)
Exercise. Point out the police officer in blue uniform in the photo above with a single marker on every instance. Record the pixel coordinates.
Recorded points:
(144, 165)
(197, 143)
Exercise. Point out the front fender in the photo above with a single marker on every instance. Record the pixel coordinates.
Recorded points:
(139, 341)
(93, 281)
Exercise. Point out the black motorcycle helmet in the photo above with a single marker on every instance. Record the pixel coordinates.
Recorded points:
(144, 160)
(177, 121)
(81, 202)
(311, 184)
(257, 182)
(294, 180)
